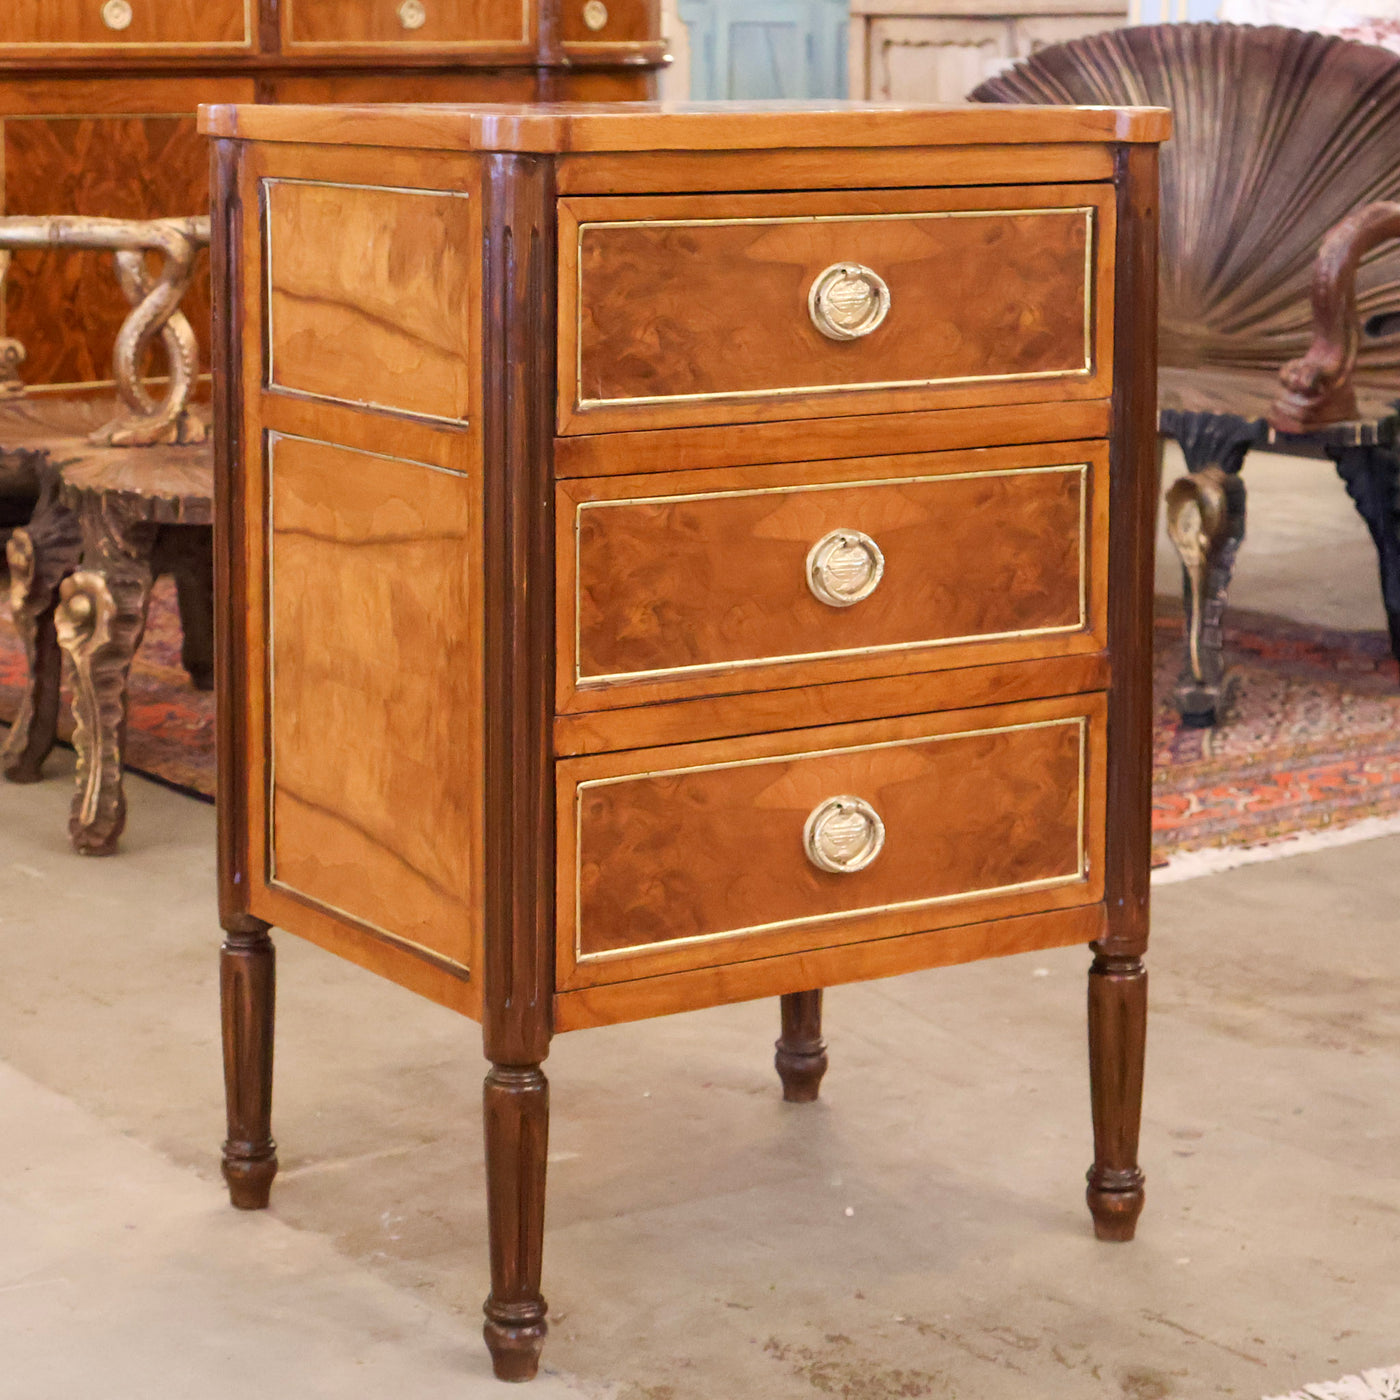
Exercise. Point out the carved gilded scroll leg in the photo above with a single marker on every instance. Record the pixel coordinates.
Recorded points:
(247, 991)
(1372, 477)
(801, 1051)
(1117, 1043)
(39, 557)
(516, 1103)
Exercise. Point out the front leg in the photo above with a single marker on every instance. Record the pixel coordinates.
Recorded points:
(517, 1142)
(1372, 479)
(40, 557)
(1117, 1044)
(248, 992)
(801, 1057)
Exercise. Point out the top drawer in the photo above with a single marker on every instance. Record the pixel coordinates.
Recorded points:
(733, 308)
(356, 25)
(43, 24)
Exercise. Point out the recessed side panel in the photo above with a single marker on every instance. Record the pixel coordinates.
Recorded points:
(367, 293)
(374, 692)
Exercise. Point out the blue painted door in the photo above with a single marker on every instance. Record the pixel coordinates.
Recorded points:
(765, 49)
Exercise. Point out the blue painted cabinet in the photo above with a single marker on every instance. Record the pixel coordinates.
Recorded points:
(765, 49)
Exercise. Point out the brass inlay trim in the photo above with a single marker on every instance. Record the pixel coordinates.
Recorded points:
(272, 437)
(293, 43)
(173, 44)
(1079, 874)
(1089, 211)
(270, 381)
(1082, 468)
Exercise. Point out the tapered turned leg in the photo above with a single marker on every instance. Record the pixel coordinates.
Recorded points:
(247, 989)
(517, 1140)
(1117, 1041)
(801, 1057)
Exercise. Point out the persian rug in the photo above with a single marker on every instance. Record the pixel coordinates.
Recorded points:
(1369, 1385)
(1310, 740)
(170, 729)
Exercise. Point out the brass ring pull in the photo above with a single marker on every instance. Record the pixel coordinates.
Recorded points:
(844, 567)
(413, 14)
(116, 14)
(843, 835)
(595, 15)
(848, 301)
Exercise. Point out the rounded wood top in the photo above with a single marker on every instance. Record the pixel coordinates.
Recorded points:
(560, 128)
(165, 485)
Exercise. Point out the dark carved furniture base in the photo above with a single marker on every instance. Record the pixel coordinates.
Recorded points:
(801, 1051)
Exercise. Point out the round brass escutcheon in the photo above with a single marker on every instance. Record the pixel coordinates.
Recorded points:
(413, 14)
(844, 567)
(843, 835)
(595, 15)
(116, 14)
(848, 301)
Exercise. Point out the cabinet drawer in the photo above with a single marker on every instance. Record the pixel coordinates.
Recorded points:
(728, 308)
(126, 23)
(431, 24)
(693, 583)
(701, 855)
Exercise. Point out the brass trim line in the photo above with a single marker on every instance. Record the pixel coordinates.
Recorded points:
(1082, 468)
(1089, 211)
(270, 382)
(1079, 875)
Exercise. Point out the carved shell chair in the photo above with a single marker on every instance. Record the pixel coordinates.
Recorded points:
(1279, 135)
(124, 494)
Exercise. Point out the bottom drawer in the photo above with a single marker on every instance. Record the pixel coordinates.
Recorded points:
(700, 855)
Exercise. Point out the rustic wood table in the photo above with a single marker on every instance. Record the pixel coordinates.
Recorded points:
(669, 557)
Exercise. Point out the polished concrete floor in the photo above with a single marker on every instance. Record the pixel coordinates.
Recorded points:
(921, 1232)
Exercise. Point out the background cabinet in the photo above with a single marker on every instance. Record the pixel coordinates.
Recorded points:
(764, 49)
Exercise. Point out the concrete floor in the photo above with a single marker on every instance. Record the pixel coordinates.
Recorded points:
(921, 1232)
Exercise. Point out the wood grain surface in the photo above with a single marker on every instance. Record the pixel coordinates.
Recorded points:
(627, 21)
(670, 304)
(448, 23)
(375, 690)
(694, 856)
(153, 22)
(367, 294)
(697, 581)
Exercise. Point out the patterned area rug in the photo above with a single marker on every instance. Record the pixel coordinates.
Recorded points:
(1311, 737)
(1369, 1385)
(170, 732)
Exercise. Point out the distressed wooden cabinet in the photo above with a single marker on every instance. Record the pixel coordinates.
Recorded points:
(97, 104)
(673, 557)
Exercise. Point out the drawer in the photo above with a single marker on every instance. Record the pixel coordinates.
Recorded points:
(127, 23)
(732, 308)
(714, 582)
(431, 24)
(585, 24)
(703, 855)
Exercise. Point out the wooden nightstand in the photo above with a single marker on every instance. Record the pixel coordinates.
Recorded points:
(669, 558)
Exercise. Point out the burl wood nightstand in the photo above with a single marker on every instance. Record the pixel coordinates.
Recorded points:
(673, 557)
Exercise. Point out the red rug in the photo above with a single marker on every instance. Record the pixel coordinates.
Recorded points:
(1311, 736)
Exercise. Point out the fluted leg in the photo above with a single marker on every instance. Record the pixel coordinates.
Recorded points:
(247, 991)
(1117, 1042)
(516, 1105)
(801, 1057)
(39, 557)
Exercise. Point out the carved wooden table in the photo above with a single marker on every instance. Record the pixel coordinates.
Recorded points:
(677, 557)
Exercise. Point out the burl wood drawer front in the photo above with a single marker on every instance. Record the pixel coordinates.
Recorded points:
(446, 24)
(718, 308)
(702, 855)
(35, 24)
(711, 582)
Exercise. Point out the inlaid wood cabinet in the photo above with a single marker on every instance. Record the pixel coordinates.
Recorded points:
(97, 104)
(670, 557)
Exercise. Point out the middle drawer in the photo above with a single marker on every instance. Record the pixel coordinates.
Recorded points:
(704, 583)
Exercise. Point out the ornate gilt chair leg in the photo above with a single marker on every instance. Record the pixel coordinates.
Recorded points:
(39, 557)
(100, 620)
(1372, 477)
(1117, 1043)
(248, 991)
(516, 1102)
(801, 1051)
